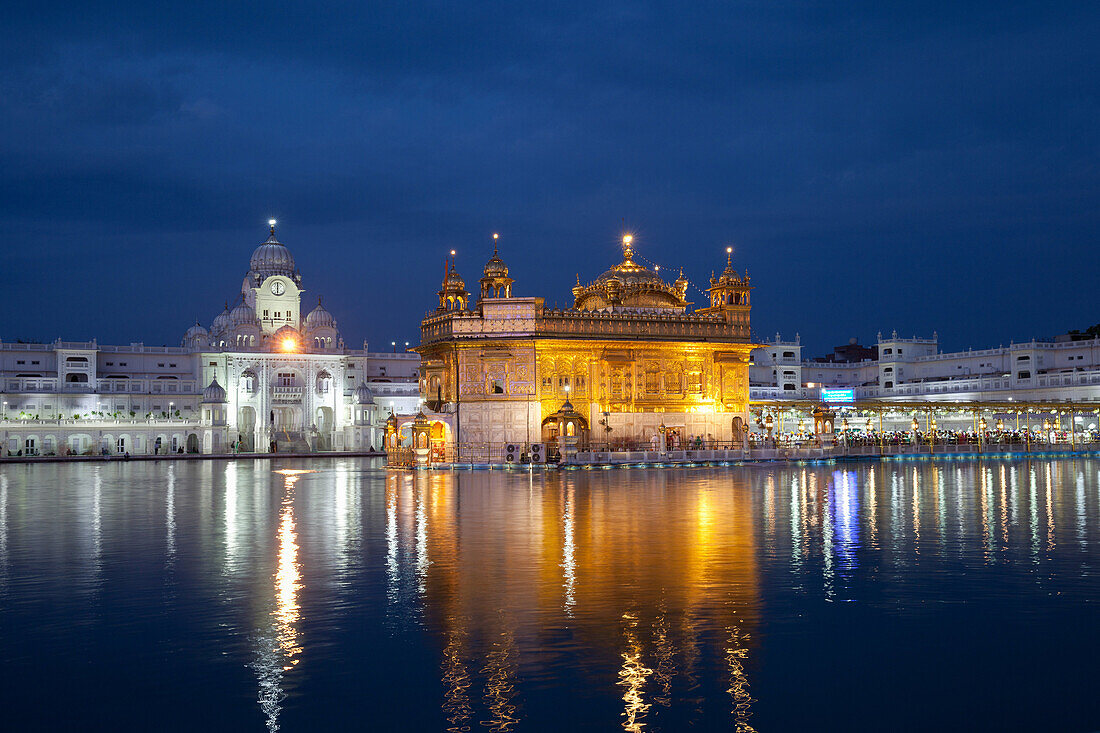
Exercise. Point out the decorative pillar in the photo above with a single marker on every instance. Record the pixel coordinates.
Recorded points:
(422, 439)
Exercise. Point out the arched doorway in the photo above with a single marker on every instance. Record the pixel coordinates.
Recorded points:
(439, 442)
(325, 424)
(564, 427)
(192, 443)
(287, 419)
(246, 429)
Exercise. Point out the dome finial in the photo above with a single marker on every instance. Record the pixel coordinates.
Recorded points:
(729, 256)
(628, 246)
(495, 238)
(271, 223)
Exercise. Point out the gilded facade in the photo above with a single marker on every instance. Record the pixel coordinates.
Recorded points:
(631, 356)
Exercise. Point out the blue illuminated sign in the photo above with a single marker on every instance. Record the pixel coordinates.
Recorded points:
(837, 395)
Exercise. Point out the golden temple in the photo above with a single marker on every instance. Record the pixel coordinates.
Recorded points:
(629, 364)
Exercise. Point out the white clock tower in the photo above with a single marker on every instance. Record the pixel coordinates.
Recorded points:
(273, 286)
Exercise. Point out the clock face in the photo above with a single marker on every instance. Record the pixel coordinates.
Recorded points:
(278, 288)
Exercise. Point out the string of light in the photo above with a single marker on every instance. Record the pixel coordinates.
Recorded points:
(642, 257)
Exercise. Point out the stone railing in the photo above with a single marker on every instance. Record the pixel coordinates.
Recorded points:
(287, 394)
(46, 385)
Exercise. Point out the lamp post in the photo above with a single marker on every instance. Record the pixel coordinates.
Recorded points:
(393, 345)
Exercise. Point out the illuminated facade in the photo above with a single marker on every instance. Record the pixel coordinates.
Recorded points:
(630, 357)
(906, 369)
(262, 376)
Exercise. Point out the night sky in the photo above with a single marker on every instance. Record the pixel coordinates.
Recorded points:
(876, 165)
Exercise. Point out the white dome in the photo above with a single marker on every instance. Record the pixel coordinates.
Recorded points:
(272, 258)
(214, 392)
(221, 321)
(196, 331)
(243, 314)
(363, 395)
(320, 318)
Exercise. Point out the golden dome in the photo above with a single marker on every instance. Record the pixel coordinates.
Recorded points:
(629, 285)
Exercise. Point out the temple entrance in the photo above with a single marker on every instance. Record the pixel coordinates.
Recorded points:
(246, 429)
(286, 419)
(192, 443)
(325, 423)
(438, 442)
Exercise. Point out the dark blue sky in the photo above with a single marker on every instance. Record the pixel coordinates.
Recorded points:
(876, 165)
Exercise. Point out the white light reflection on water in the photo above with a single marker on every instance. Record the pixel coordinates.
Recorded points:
(872, 509)
(277, 645)
(569, 560)
(422, 560)
(97, 527)
(796, 522)
(1079, 504)
(845, 516)
(232, 520)
(170, 519)
(3, 533)
(392, 572)
(1033, 500)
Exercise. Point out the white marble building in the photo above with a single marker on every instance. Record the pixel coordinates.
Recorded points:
(262, 375)
(914, 369)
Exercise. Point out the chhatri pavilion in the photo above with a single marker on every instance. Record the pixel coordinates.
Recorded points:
(630, 363)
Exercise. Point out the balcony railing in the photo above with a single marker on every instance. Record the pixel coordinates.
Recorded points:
(47, 385)
(287, 394)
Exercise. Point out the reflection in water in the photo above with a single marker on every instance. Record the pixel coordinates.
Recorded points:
(277, 645)
(456, 677)
(665, 653)
(500, 682)
(3, 534)
(392, 577)
(170, 519)
(632, 676)
(97, 527)
(232, 519)
(736, 653)
(569, 560)
(651, 600)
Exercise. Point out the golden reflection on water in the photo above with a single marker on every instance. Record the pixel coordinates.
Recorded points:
(456, 678)
(511, 562)
(736, 653)
(288, 579)
(500, 682)
(632, 676)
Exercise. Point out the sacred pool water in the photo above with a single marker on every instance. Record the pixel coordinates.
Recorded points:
(220, 595)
